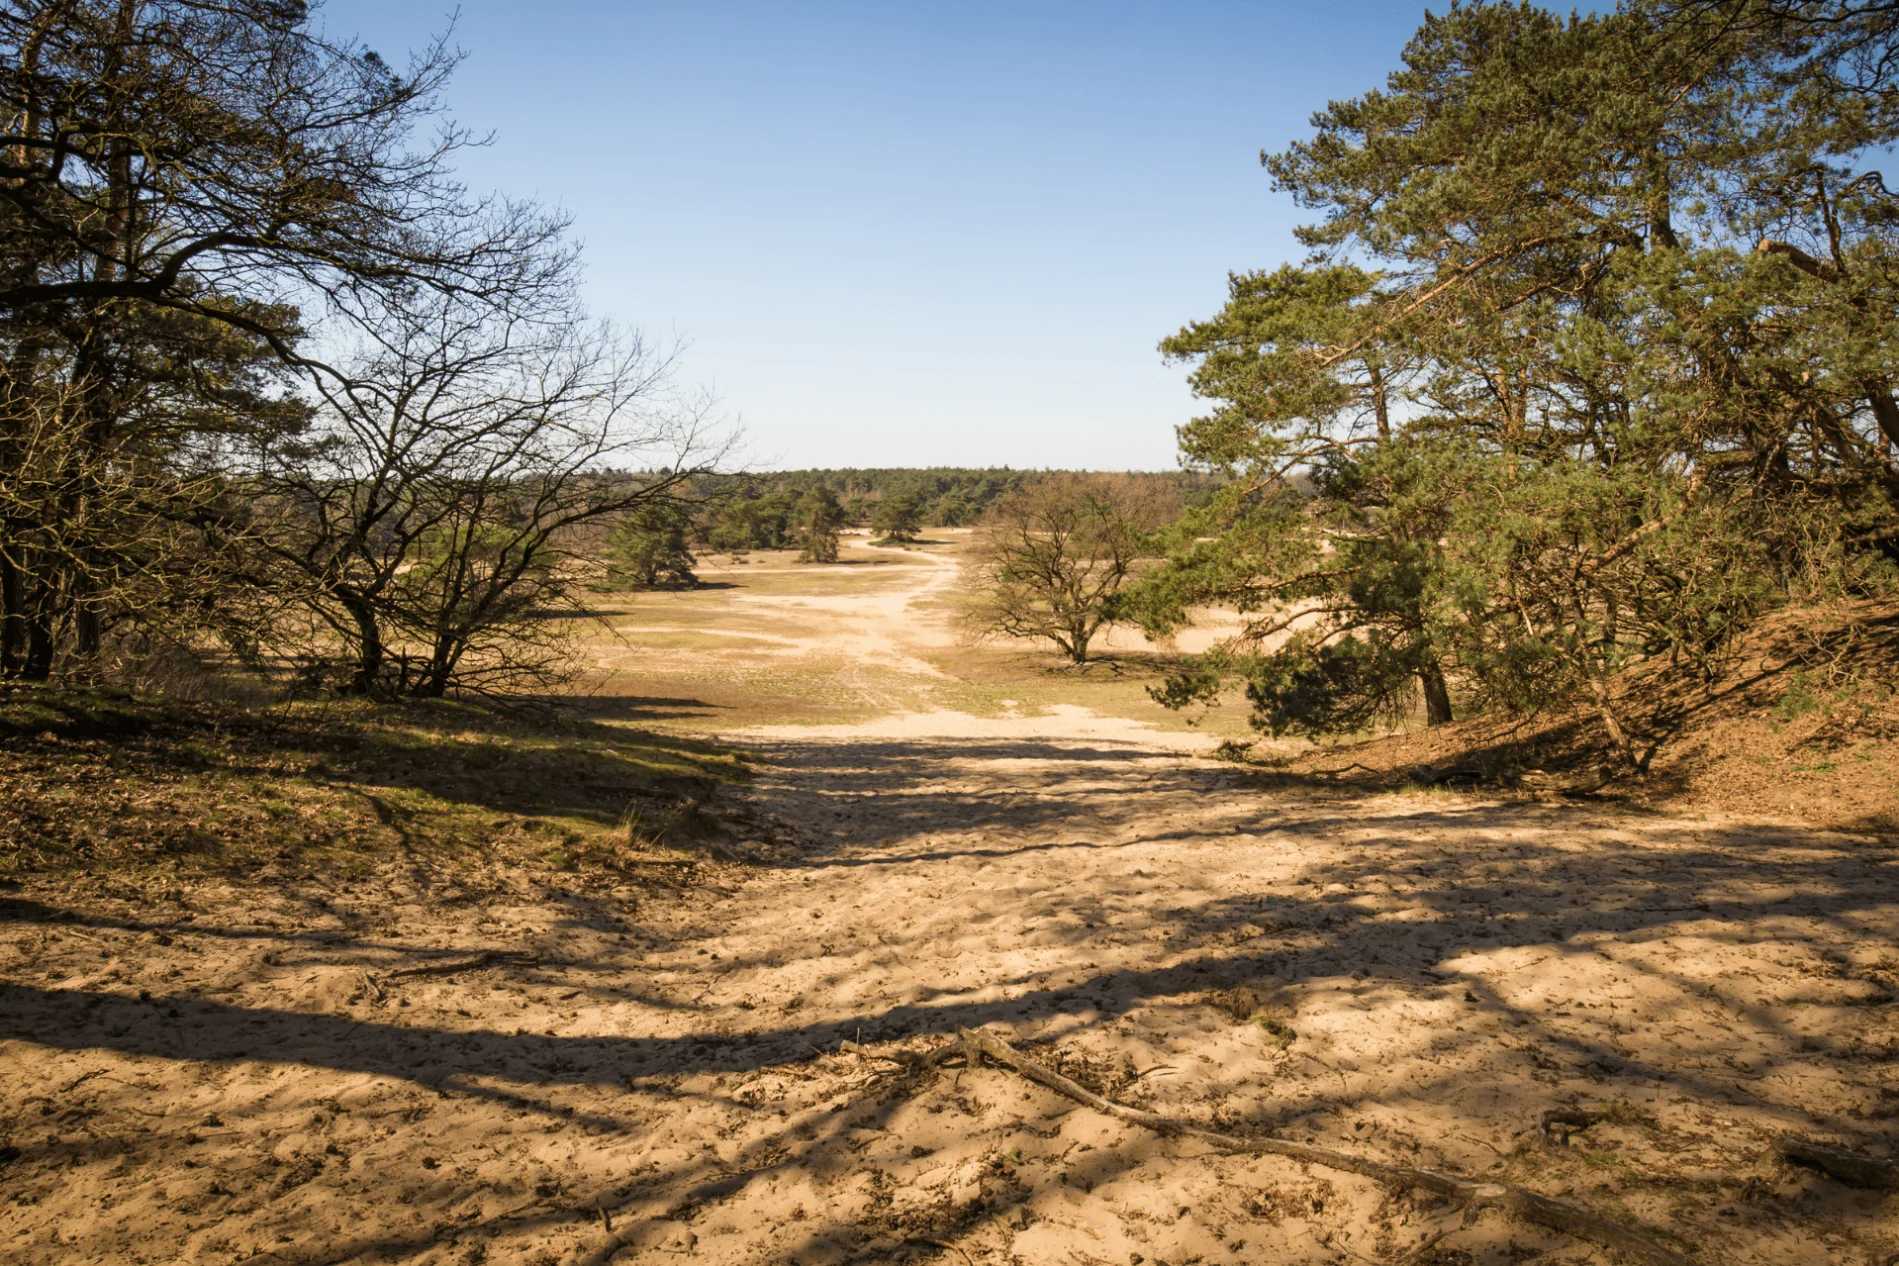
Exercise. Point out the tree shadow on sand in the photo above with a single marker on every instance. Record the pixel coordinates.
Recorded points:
(1495, 913)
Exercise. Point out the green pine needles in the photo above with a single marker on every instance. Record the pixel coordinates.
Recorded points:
(1590, 366)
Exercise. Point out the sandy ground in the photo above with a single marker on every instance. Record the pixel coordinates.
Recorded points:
(222, 1076)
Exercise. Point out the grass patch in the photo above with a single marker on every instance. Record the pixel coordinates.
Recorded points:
(1800, 698)
(93, 781)
(1277, 1031)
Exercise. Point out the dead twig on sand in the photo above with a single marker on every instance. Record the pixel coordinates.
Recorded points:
(1467, 1216)
(1852, 1168)
(1520, 1203)
(910, 1061)
(449, 966)
(943, 1244)
(80, 1080)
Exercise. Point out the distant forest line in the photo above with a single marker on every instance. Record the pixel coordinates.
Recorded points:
(946, 496)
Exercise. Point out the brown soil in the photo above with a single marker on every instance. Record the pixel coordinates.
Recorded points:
(320, 1069)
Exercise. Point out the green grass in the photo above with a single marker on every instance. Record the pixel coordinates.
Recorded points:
(1277, 1031)
(1800, 698)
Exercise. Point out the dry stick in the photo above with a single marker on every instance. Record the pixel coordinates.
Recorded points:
(1852, 1168)
(1417, 1254)
(463, 964)
(943, 1244)
(1559, 1124)
(80, 1080)
(1522, 1204)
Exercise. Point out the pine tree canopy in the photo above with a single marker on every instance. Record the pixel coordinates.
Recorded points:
(1591, 363)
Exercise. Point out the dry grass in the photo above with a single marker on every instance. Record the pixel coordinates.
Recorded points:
(1803, 724)
(144, 786)
(775, 642)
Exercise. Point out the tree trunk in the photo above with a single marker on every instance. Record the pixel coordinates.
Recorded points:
(12, 618)
(371, 653)
(1381, 407)
(91, 372)
(1613, 723)
(1077, 644)
(1437, 696)
(88, 632)
(434, 683)
(39, 648)
(1885, 412)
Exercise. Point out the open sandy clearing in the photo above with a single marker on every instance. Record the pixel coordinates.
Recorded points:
(245, 1077)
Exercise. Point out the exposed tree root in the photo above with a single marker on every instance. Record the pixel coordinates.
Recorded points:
(1517, 1202)
(1852, 1168)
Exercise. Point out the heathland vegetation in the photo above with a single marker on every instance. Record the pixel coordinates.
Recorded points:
(451, 811)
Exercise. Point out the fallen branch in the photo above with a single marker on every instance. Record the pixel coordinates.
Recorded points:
(1594, 778)
(1431, 776)
(1423, 1249)
(449, 966)
(1517, 1202)
(1855, 1169)
(943, 1244)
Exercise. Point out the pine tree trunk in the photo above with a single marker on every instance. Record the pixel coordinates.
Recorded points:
(1437, 696)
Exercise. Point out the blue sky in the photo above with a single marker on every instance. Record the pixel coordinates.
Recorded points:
(909, 234)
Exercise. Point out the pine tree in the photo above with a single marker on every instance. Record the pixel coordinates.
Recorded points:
(815, 523)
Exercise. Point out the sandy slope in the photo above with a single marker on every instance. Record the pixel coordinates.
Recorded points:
(212, 1079)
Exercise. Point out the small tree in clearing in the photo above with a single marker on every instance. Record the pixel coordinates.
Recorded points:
(897, 518)
(815, 522)
(1052, 557)
(649, 550)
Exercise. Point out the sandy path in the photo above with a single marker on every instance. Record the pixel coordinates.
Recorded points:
(1452, 968)
(212, 1079)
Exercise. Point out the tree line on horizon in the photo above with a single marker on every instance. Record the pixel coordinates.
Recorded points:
(658, 546)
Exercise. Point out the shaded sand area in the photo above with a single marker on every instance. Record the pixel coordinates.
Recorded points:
(696, 1071)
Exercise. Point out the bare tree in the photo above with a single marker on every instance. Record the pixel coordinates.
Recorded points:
(1051, 558)
(176, 177)
(428, 515)
(178, 152)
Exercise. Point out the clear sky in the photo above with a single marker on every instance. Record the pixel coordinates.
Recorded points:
(909, 233)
